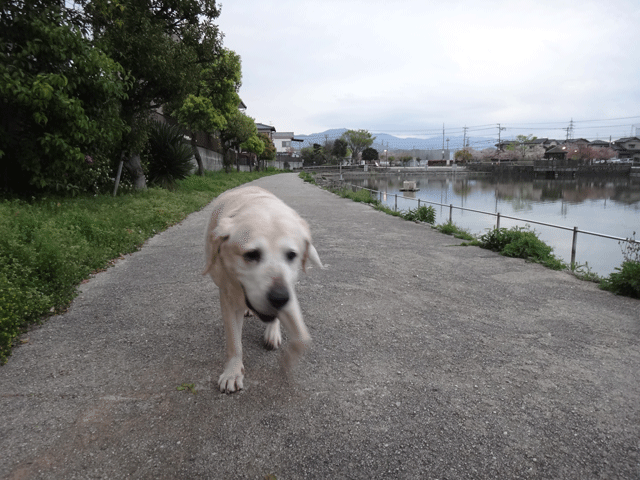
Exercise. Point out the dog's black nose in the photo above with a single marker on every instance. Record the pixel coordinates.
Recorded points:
(278, 296)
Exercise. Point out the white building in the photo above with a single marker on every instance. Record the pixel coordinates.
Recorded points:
(284, 141)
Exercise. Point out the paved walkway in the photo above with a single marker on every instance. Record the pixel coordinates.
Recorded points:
(429, 361)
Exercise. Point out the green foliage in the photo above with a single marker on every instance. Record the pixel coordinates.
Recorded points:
(269, 152)
(240, 128)
(370, 154)
(450, 228)
(339, 148)
(169, 155)
(421, 214)
(253, 144)
(60, 99)
(48, 246)
(626, 279)
(521, 242)
(198, 113)
(307, 177)
(357, 141)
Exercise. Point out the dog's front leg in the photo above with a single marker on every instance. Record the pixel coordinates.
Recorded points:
(291, 317)
(233, 318)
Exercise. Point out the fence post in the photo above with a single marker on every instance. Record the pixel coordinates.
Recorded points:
(418, 204)
(396, 207)
(573, 248)
(451, 213)
(498, 221)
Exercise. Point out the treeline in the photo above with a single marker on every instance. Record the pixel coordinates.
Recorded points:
(80, 86)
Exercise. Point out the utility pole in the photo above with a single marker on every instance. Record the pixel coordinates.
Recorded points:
(464, 139)
(569, 130)
(443, 141)
(499, 130)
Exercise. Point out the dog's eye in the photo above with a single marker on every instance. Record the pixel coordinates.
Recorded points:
(291, 255)
(252, 256)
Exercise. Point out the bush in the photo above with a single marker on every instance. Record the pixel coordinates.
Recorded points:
(521, 242)
(170, 158)
(626, 280)
(421, 214)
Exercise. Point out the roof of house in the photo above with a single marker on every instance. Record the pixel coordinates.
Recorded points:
(262, 126)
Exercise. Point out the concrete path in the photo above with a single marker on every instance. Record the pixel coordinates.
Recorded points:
(429, 360)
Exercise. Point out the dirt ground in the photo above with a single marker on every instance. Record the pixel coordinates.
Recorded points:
(429, 360)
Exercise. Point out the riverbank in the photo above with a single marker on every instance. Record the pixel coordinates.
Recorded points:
(429, 360)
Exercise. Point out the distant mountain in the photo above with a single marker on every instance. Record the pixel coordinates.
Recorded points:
(384, 141)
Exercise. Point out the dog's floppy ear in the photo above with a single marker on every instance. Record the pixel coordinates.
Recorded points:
(215, 239)
(310, 253)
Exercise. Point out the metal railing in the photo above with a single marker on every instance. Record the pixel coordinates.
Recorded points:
(498, 216)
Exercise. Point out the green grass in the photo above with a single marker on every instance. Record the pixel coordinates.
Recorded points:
(452, 229)
(420, 214)
(49, 245)
(521, 242)
(308, 177)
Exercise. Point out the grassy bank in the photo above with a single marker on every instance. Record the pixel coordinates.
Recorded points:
(49, 245)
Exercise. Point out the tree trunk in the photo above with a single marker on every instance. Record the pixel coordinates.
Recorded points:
(196, 154)
(134, 166)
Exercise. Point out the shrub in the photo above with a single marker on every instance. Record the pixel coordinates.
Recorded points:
(626, 279)
(170, 158)
(421, 214)
(520, 242)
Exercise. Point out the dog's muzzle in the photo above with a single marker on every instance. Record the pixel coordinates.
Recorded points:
(278, 296)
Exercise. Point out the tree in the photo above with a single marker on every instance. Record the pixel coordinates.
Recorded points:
(215, 99)
(370, 154)
(339, 148)
(162, 45)
(269, 152)
(405, 159)
(240, 128)
(357, 141)
(521, 144)
(56, 112)
(463, 156)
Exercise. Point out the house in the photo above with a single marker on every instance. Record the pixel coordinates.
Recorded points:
(284, 142)
(268, 130)
(628, 147)
(559, 152)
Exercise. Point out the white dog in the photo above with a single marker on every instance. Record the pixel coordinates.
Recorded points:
(254, 247)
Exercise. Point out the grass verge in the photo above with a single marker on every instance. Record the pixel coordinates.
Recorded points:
(420, 214)
(49, 245)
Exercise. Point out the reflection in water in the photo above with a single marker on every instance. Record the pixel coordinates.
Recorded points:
(607, 205)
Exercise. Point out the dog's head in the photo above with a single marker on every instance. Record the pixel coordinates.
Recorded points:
(263, 253)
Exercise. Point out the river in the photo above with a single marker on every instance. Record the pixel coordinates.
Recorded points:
(609, 206)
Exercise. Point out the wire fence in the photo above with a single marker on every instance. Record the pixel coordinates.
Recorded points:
(498, 215)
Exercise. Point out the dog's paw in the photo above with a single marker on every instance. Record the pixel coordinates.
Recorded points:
(231, 380)
(272, 335)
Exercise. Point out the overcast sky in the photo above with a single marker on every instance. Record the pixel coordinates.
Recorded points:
(406, 67)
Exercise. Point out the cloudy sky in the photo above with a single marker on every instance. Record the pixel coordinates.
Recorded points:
(406, 67)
